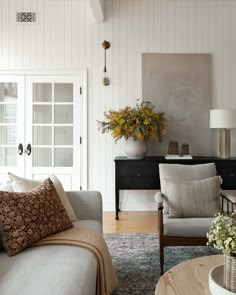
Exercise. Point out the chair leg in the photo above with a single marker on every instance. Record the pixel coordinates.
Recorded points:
(161, 237)
(161, 259)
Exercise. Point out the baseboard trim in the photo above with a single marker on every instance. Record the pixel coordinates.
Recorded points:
(130, 206)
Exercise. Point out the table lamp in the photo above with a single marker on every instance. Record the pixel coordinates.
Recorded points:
(223, 119)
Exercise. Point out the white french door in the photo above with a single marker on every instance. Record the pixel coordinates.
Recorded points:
(49, 122)
(12, 132)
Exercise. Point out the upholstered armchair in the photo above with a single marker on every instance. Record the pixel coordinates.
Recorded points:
(189, 199)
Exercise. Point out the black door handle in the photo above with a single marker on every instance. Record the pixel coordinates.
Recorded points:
(20, 149)
(28, 149)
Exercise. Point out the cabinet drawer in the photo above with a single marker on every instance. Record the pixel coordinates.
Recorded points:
(138, 176)
(139, 170)
(142, 182)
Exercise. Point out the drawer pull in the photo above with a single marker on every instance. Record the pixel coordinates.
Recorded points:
(232, 174)
(139, 174)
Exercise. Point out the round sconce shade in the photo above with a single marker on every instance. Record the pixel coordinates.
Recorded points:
(223, 118)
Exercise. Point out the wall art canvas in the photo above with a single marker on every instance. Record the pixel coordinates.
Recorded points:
(180, 85)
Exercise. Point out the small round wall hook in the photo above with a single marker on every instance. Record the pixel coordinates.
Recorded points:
(106, 44)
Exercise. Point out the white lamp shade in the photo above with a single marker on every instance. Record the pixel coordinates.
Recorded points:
(223, 118)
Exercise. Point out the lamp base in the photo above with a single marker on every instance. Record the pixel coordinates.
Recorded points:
(225, 143)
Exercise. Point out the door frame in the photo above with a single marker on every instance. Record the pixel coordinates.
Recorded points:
(84, 110)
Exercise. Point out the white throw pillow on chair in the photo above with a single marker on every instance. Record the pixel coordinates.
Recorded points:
(196, 198)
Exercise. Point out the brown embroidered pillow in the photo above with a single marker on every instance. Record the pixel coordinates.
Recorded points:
(21, 184)
(30, 216)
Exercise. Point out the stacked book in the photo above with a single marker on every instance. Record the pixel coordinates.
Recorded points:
(178, 157)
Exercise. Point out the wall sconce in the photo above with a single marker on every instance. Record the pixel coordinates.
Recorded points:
(105, 45)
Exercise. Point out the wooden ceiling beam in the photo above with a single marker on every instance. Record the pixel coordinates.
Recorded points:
(97, 7)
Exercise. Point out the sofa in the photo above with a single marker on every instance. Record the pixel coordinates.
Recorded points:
(56, 270)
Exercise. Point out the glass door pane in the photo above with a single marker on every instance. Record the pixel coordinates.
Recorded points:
(63, 157)
(63, 92)
(42, 135)
(63, 135)
(42, 114)
(42, 157)
(63, 114)
(8, 156)
(42, 92)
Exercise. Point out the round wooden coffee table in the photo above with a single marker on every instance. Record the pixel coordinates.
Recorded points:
(189, 277)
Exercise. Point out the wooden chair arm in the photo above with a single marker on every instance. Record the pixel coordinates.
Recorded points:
(160, 207)
(160, 220)
(228, 203)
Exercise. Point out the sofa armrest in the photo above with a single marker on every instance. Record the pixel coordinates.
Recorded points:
(86, 204)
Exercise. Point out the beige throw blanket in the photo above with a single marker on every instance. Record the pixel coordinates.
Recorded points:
(89, 239)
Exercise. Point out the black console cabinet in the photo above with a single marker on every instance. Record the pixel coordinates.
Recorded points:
(144, 174)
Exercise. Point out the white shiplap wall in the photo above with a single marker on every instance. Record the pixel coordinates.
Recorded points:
(67, 37)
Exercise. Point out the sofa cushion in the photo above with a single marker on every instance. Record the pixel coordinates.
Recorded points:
(21, 184)
(186, 227)
(30, 216)
(198, 198)
(49, 270)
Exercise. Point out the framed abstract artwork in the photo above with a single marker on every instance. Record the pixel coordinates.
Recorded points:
(180, 85)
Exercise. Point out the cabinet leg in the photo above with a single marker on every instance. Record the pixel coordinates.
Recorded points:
(117, 205)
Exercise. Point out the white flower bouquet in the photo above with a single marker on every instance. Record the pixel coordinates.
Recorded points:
(222, 234)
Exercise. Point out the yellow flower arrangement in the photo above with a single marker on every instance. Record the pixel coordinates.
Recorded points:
(140, 122)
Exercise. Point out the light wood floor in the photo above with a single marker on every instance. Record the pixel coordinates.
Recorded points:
(130, 222)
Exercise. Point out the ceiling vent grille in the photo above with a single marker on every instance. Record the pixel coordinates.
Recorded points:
(26, 17)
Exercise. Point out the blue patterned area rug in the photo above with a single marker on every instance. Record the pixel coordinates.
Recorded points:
(136, 260)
